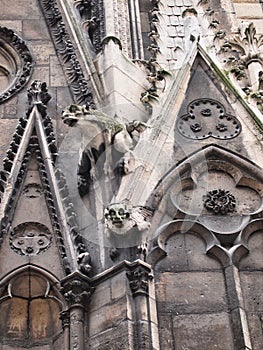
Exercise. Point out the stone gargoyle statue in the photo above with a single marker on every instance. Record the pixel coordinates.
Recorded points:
(106, 138)
(121, 218)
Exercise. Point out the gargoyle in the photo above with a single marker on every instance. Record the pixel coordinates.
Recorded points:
(120, 218)
(107, 140)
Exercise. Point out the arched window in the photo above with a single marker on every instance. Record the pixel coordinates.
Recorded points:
(29, 312)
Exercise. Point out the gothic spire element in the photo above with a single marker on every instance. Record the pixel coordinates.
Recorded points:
(38, 93)
(34, 146)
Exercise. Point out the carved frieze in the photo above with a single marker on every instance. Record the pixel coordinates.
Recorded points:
(30, 238)
(207, 118)
(16, 63)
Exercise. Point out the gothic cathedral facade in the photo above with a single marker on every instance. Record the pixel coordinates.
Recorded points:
(131, 182)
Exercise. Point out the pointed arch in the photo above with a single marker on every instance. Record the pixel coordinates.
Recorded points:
(30, 306)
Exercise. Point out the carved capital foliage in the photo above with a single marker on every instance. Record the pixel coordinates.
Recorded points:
(249, 45)
(139, 279)
(77, 289)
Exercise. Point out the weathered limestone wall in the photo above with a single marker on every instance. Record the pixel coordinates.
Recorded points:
(250, 11)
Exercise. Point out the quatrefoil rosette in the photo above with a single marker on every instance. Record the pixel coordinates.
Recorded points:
(30, 238)
(208, 118)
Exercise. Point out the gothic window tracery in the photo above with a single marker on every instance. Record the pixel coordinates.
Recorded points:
(29, 312)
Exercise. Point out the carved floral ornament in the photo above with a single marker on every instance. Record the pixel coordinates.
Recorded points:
(207, 118)
(220, 201)
(16, 63)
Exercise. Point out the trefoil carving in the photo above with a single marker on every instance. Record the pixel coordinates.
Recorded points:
(207, 118)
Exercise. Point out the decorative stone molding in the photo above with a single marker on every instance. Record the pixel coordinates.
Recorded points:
(17, 62)
(139, 280)
(220, 201)
(189, 182)
(243, 57)
(30, 238)
(78, 85)
(83, 256)
(65, 318)
(249, 46)
(92, 16)
(207, 118)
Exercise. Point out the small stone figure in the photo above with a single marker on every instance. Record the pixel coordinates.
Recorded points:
(83, 259)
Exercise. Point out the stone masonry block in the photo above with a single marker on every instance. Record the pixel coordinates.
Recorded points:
(190, 292)
(108, 316)
(117, 338)
(20, 9)
(252, 285)
(206, 332)
(247, 10)
(35, 29)
(101, 296)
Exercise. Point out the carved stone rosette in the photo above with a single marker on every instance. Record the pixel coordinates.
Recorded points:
(30, 238)
(220, 201)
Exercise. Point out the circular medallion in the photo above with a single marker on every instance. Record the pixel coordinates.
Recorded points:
(30, 238)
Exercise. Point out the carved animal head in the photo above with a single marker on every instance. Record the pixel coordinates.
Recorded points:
(73, 113)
